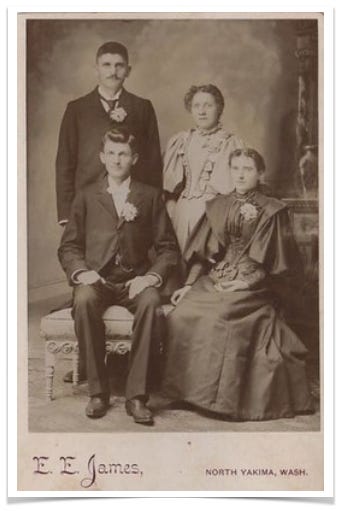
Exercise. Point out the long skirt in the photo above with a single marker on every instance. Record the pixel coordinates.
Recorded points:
(231, 353)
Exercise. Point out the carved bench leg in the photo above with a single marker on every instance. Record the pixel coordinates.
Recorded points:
(50, 353)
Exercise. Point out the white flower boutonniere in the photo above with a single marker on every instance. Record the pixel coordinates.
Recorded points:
(118, 114)
(129, 212)
(248, 211)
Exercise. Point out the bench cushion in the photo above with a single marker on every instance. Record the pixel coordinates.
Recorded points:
(118, 322)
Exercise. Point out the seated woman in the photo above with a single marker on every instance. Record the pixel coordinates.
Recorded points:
(229, 351)
(196, 161)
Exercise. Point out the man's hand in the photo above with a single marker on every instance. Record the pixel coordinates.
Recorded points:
(89, 277)
(138, 284)
(233, 285)
(179, 294)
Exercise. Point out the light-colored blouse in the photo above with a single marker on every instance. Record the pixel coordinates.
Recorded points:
(201, 159)
(197, 163)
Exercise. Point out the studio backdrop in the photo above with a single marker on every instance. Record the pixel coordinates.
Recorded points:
(257, 64)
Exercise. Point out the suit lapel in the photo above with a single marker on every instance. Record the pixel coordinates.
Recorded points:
(96, 107)
(125, 101)
(106, 200)
(135, 197)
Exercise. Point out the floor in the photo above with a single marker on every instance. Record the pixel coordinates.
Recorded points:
(66, 412)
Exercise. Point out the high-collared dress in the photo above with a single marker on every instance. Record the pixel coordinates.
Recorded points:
(196, 169)
(231, 352)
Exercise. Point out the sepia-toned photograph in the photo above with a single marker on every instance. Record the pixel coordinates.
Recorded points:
(173, 173)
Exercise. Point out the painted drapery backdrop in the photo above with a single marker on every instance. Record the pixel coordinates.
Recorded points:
(253, 62)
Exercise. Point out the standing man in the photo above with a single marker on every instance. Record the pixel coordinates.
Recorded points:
(88, 118)
(105, 254)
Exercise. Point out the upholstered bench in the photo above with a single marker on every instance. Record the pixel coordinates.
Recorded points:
(57, 330)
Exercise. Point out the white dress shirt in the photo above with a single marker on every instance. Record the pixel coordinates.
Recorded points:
(119, 193)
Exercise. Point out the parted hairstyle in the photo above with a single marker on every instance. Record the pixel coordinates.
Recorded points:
(120, 136)
(114, 48)
(250, 153)
(210, 89)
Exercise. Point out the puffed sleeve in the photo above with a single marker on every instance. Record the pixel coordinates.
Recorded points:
(201, 248)
(202, 243)
(173, 169)
(277, 250)
(275, 247)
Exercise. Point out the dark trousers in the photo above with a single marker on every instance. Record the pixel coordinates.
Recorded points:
(89, 304)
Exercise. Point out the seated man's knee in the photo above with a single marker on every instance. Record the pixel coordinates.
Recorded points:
(85, 296)
(150, 297)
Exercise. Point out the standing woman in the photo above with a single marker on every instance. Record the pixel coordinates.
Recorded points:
(228, 349)
(196, 161)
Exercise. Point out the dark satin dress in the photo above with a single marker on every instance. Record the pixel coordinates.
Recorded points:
(231, 352)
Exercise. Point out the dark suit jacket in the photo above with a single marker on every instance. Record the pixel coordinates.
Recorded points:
(83, 126)
(95, 234)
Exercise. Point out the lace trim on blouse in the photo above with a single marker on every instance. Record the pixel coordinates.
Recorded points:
(213, 146)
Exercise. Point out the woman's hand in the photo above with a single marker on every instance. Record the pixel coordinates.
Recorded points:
(179, 294)
(232, 285)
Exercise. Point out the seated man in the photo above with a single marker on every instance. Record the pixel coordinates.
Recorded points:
(104, 252)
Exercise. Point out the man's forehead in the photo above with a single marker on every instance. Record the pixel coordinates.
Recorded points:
(116, 146)
(111, 57)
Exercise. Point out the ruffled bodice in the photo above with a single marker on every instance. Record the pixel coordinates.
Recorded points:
(198, 161)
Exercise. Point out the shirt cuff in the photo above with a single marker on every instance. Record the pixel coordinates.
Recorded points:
(160, 279)
(74, 275)
(63, 222)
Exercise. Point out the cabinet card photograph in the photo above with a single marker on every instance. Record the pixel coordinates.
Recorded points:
(170, 181)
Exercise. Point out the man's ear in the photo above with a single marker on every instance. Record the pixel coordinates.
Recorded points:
(129, 69)
(102, 157)
(135, 158)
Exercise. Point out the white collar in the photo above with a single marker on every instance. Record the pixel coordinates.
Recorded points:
(116, 96)
(113, 187)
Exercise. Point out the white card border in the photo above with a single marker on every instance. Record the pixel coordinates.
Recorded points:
(328, 400)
